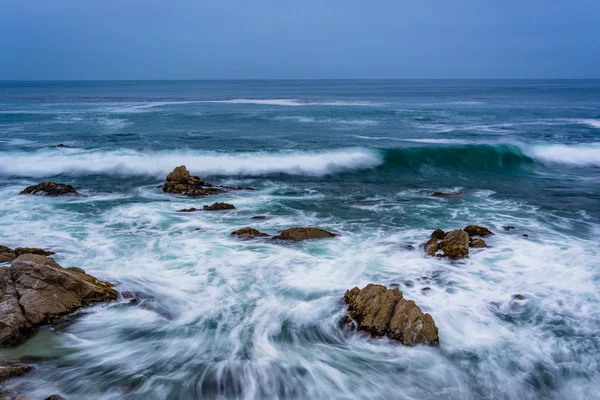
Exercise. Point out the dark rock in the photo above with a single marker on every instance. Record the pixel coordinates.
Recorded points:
(55, 397)
(508, 228)
(433, 244)
(475, 230)
(426, 289)
(518, 297)
(51, 189)
(62, 146)
(394, 285)
(248, 233)
(525, 235)
(128, 295)
(455, 245)
(219, 207)
(180, 181)
(298, 234)
(237, 188)
(477, 243)
(384, 312)
(409, 247)
(446, 195)
(188, 209)
(259, 217)
(36, 290)
(438, 234)
(8, 371)
(409, 284)
(76, 269)
(33, 250)
(6, 254)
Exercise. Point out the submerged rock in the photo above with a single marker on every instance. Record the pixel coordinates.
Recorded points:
(446, 195)
(36, 290)
(219, 206)
(248, 233)
(384, 312)
(8, 371)
(477, 243)
(508, 227)
(188, 210)
(298, 234)
(475, 230)
(51, 189)
(259, 217)
(62, 146)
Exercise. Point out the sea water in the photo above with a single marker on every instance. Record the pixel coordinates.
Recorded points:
(224, 318)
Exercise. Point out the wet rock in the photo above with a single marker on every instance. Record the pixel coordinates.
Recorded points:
(477, 243)
(433, 244)
(238, 188)
(525, 235)
(409, 247)
(55, 397)
(455, 245)
(409, 284)
(188, 209)
(36, 290)
(180, 181)
(62, 146)
(508, 228)
(51, 189)
(32, 250)
(298, 234)
(248, 233)
(76, 269)
(6, 254)
(518, 297)
(426, 289)
(8, 371)
(384, 312)
(259, 217)
(219, 207)
(445, 195)
(475, 230)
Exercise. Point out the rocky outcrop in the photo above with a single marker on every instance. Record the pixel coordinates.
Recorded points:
(51, 189)
(8, 371)
(188, 209)
(36, 290)
(455, 245)
(477, 243)
(475, 230)
(298, 234)
(248, 233)
(8, 255)
(180, 181)
(385, 312)
(219, 207)
(433, 244)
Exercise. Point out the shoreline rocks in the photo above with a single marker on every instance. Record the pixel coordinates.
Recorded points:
(51, 189)
(218, 206)
(476, 230)
(9, 371)
(8, 255)
(181, 181)
(248, 233)
(36, 290)
(455, 244)
(298, 234)
(380, 311)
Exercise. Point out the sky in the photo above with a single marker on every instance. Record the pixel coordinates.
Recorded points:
(298, 39)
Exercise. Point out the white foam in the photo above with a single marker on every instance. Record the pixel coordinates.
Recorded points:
(577, 155)
(594, 123)
(332, 121)
(76, 162)
(297, 102)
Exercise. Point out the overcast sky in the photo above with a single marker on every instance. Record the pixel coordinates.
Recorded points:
(236, 39)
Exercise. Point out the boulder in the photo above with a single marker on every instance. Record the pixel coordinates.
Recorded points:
(8, 371)
(248, 233)
(180, 181)
(384, 312)
(219, 207)
(477, 243)
(51, 189)
(455, 245)
(6, 254)
(475, 230)
(433, 244)
(36, 290)
(298, 234)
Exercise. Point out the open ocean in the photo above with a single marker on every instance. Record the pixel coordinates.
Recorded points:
(223, 318)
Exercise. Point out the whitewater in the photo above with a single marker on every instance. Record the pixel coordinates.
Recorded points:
(220, 317)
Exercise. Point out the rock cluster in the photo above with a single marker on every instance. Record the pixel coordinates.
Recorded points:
(248, 233)
(455, 244)
(180, 181)
(7, 254)
(385, 312)
(36, 290)
(298, 234)
(219, 207)
(51, 189)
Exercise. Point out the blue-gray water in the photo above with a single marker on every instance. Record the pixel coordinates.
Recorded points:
(229, 319)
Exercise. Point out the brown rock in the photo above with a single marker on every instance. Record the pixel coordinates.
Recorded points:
(384, 312)
(182, 182)
(477, 243)
(188, 209)
(455, 245)
(8, 371)
(6, 254)
(248, 233)
(518, 297)
(32, 250)
(219, 207)
(36, 290)
(298, 234)
(55, 397)
(433, 244)
(475, 230)
(51, 189)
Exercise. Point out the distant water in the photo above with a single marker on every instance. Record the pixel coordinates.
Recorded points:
(230, 319)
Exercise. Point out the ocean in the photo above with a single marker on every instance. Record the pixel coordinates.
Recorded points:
(223, 318)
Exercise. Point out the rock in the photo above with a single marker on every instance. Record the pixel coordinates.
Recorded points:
(446, 195)
(8, 371)
(455, 245)
(63, 146)
(259, 217)
(219, 207)
(475, 230)
(384, 312)
(525, 235)
(6, 254)
(248, 233)
(32, 250)
(76, 269)
(55, 397)
(36, 290)
(518, 297)
(298, 234)
(51, 189)
(433, 244)
(426, 289)
(188, 209)
(508, 228)
(180, 181)
(238, 188)
(477, 243)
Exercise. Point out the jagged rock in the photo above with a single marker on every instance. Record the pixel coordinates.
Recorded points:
(433, 244)
(477, 243)
(182, 182)
(384, 312)
(8, 371)
(36, 290)
(219, 207)
(188, 209)
(6, 254)
(455, 245)
(298, 234)
(32, 250)
(51, 189)
(248, 233)
(475, 230)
